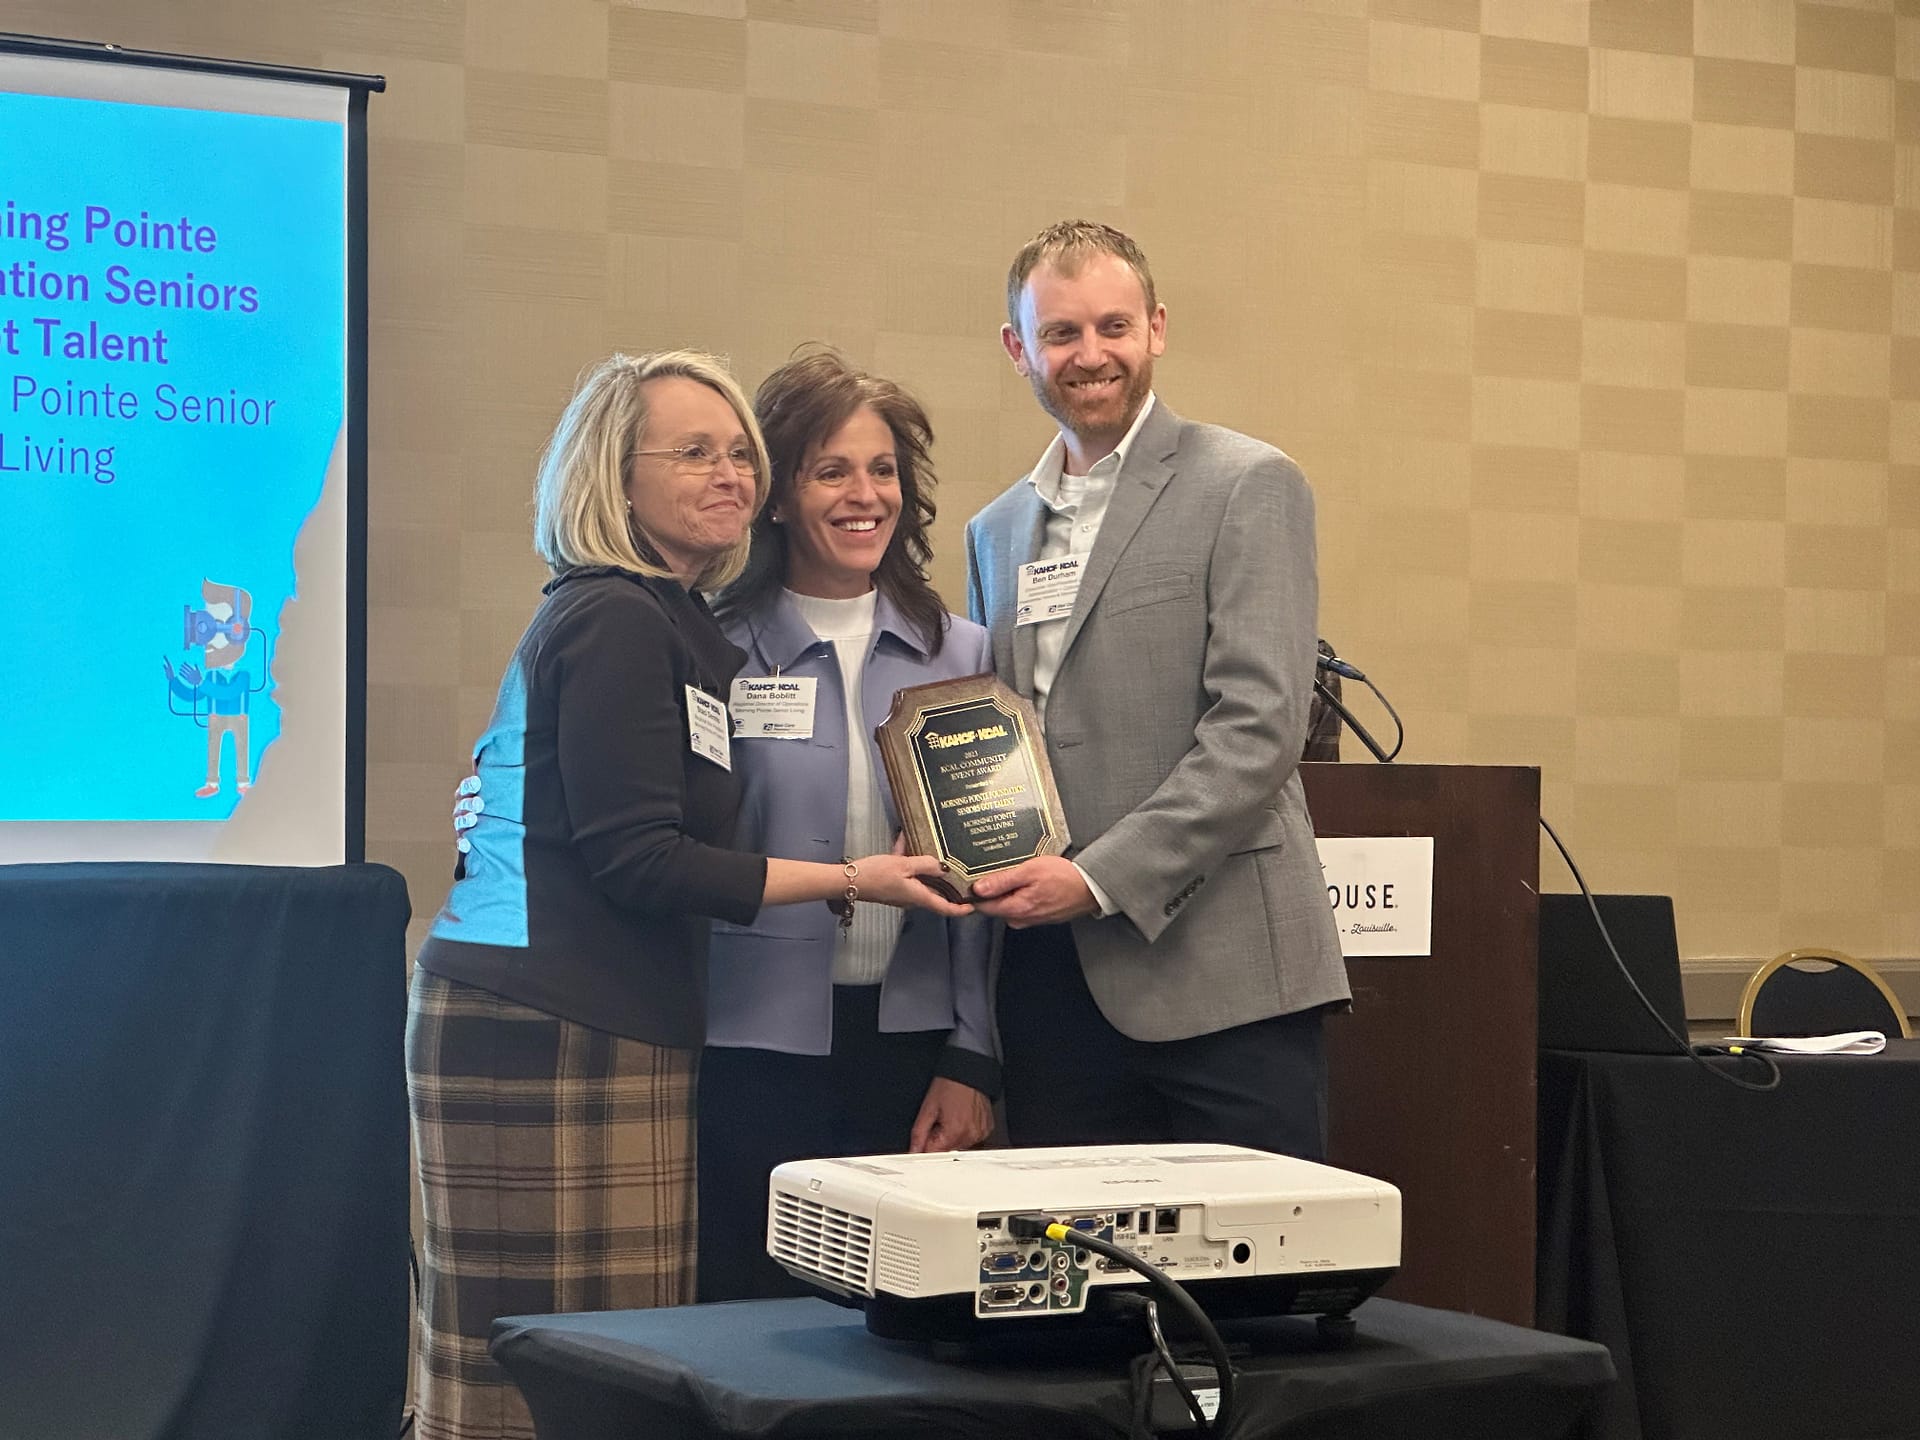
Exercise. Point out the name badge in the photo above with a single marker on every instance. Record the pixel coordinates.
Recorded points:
(1047, 589)
(773, 707)
(707, 728)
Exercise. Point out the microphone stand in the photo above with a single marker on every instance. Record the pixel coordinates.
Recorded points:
(1333, 703)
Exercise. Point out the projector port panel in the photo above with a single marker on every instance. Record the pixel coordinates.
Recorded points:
(957, 1318)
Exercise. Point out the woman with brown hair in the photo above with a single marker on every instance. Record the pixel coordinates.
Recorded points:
(874, 1036)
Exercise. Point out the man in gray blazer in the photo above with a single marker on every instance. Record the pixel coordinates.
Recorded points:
(1151, 587)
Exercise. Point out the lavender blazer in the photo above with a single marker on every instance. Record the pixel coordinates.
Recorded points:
(771, 981)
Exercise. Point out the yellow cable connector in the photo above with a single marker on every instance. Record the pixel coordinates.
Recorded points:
(1056, 1231)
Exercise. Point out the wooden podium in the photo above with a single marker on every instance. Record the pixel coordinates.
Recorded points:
(1431, 1082)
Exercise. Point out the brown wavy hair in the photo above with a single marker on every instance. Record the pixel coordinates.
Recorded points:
(802, 404)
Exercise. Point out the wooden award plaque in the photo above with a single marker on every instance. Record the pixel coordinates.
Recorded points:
(970, 778)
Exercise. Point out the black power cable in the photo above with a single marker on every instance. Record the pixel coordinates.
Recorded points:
(1172, 1366)
(1697, 1053)
(1031, 1226)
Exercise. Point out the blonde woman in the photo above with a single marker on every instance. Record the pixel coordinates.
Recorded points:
(558, 1004)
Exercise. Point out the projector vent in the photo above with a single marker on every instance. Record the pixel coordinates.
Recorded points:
(898, 1269)
(822, 1240)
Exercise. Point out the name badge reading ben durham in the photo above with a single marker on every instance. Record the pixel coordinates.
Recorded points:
(970, 778)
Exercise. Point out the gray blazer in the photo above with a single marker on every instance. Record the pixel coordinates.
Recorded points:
(771, 980)
(1175, 725)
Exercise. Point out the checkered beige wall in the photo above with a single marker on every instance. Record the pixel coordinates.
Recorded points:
(1596, 325)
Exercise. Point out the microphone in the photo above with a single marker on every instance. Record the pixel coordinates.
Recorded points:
(1333, 664)
(1326, 660)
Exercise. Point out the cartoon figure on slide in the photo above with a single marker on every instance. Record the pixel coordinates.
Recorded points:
(220, 697)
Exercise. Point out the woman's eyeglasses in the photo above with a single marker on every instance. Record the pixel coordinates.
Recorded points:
(697, 459)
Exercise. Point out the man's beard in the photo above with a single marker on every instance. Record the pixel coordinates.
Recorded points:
(1057, 400)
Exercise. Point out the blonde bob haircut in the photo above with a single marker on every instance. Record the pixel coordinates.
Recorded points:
(580, 514)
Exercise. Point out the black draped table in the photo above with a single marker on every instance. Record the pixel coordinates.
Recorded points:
(1751, 1260)
(787, 1369)
(203, 1152)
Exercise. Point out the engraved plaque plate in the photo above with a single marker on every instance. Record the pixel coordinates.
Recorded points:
(970, 777)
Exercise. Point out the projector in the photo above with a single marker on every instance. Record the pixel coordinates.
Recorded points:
(924, 1243)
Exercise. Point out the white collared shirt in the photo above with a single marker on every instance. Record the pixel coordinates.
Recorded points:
(1076, 506)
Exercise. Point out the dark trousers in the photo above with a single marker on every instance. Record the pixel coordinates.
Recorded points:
(761, 1108)
(1072, 1079)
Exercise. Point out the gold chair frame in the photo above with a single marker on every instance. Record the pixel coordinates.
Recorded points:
(1832, 957)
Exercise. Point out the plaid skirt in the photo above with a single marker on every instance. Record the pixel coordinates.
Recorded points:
(556, 1173)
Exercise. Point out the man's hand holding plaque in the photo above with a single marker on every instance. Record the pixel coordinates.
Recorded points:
(1046, 890)
(970, 778)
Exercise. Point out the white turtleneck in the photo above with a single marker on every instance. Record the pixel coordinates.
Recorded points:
(847, 625)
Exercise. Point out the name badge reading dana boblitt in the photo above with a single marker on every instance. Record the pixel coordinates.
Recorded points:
(773, 707)
(707, 728)
(1046, 589)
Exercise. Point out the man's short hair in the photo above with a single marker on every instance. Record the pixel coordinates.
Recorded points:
(1067, 245)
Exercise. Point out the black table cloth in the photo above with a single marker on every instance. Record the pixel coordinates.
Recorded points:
(792, 1369)
(1751, 1260)
(203, 1152)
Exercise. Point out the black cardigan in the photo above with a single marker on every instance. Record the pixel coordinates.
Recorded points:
(595, 864)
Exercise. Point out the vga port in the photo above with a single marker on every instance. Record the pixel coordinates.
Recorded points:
(1001, 1297)
(1001, 1261)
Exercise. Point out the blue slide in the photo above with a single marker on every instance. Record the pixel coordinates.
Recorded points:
(172, 383)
